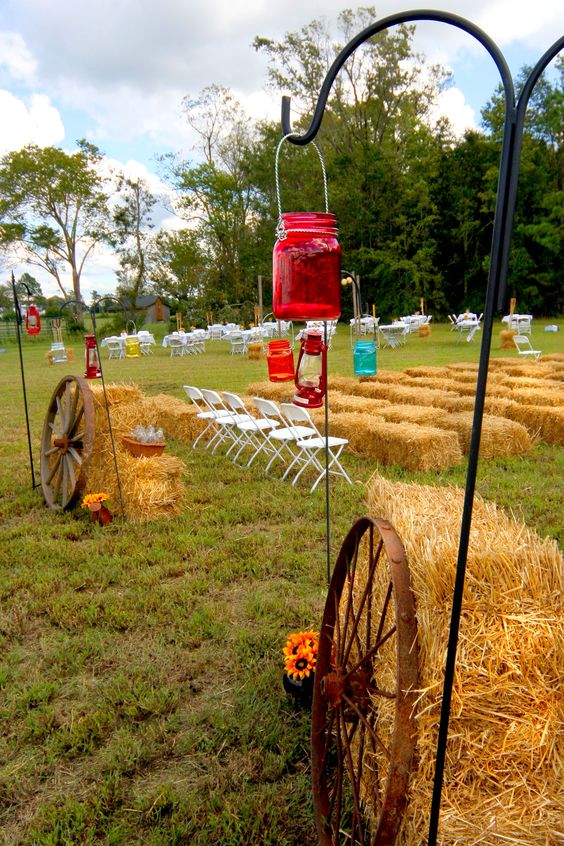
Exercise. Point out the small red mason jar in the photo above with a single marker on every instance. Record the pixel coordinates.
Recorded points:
(280, 361)
(306, 267)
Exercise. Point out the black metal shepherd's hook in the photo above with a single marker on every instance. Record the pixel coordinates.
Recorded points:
(19, 321)
(495, 296)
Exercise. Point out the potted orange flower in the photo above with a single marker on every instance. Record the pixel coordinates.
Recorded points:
(300, 658)
(98, 511)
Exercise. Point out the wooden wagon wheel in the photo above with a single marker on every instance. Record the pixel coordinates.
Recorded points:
(66, 442)
(363, 711)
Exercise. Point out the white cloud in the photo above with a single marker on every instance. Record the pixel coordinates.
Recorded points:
(35, 122)
(16, 59)
(451, 104)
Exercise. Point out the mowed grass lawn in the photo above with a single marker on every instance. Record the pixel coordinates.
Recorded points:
(140, 666)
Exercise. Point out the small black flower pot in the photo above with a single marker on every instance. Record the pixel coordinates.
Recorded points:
(301, 690)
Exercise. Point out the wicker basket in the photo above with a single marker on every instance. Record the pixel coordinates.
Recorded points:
(140, 448)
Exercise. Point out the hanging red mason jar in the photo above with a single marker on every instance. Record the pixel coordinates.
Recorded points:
(91, 358)
(306, 268)
(280, 361)
(306, 262)
(311, 372)
(32, 321)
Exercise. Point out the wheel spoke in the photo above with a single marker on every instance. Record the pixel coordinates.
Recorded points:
(56, 466)
(66, 417)
(356, 798)
(76, 422)
(55, 429)
(64, 498)
(371, 653)
(70, 471)
(368, 727)
(365, 592)
(75, 455)
(73, 406)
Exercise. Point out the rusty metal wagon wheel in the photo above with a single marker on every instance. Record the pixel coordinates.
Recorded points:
(66, 442)
(363, 711)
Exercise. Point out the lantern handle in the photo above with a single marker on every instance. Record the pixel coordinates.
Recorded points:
(277, 180)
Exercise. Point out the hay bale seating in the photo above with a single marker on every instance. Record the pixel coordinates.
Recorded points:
(152, 487)
(545, 422)
(503, 771)
(499, 436)
(414, 447)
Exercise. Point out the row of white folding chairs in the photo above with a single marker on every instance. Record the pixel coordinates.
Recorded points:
(282, 431)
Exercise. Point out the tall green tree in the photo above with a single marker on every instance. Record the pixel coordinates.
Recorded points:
(131, 236)
(53, 207)
(537, 254)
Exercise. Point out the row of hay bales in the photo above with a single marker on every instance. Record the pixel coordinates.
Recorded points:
(152, 487)
(503, 771)
(422, 418)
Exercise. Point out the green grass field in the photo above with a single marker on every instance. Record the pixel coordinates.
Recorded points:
(140, 671)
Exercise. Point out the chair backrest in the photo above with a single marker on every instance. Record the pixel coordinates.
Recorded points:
(268, 409)
(296, 415)
(194, 393)
(113, 344)
(235, 403)
(213, 399)
(524, 341)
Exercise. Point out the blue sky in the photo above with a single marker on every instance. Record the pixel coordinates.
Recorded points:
(115, 71)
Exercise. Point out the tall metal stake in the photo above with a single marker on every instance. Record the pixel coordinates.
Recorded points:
(19, 321)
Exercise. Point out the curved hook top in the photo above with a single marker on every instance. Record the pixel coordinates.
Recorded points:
(374, 29)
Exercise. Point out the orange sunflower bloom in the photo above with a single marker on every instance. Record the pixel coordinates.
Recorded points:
(300, 654)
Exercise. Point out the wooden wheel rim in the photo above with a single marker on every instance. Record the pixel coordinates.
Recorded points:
(346, 689)
(66, 442)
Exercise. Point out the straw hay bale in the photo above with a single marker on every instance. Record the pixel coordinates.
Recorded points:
(502, 779)
(255, 351)
(413, 447)
(545, 422)
(425, 415)
(430, 372)
(506, 341)
(446, 383)
(177, 418)
(339, 402)
(557, 357)
(456, 403)
(277, 391)
(530, 396)
(395, 377)
(152, 487)
(424, 331)
(463, 365)
(499, 435)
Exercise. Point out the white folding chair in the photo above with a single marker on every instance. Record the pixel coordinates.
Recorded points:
(145, 342)
(525, 348)
(204, 413)
(115, 348)
(309, 448)
(237, 343)
(176, 346)
(280, 438)
(252, 429)
(225, 422)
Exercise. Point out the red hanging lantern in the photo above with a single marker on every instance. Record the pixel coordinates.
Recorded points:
(280, 361)
(311, 372)
(306, 262)
(32, 321)
(91, 358)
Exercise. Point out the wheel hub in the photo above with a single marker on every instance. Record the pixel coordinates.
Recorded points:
(338, 685)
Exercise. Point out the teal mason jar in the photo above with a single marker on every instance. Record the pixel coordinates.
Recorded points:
(364, 358)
